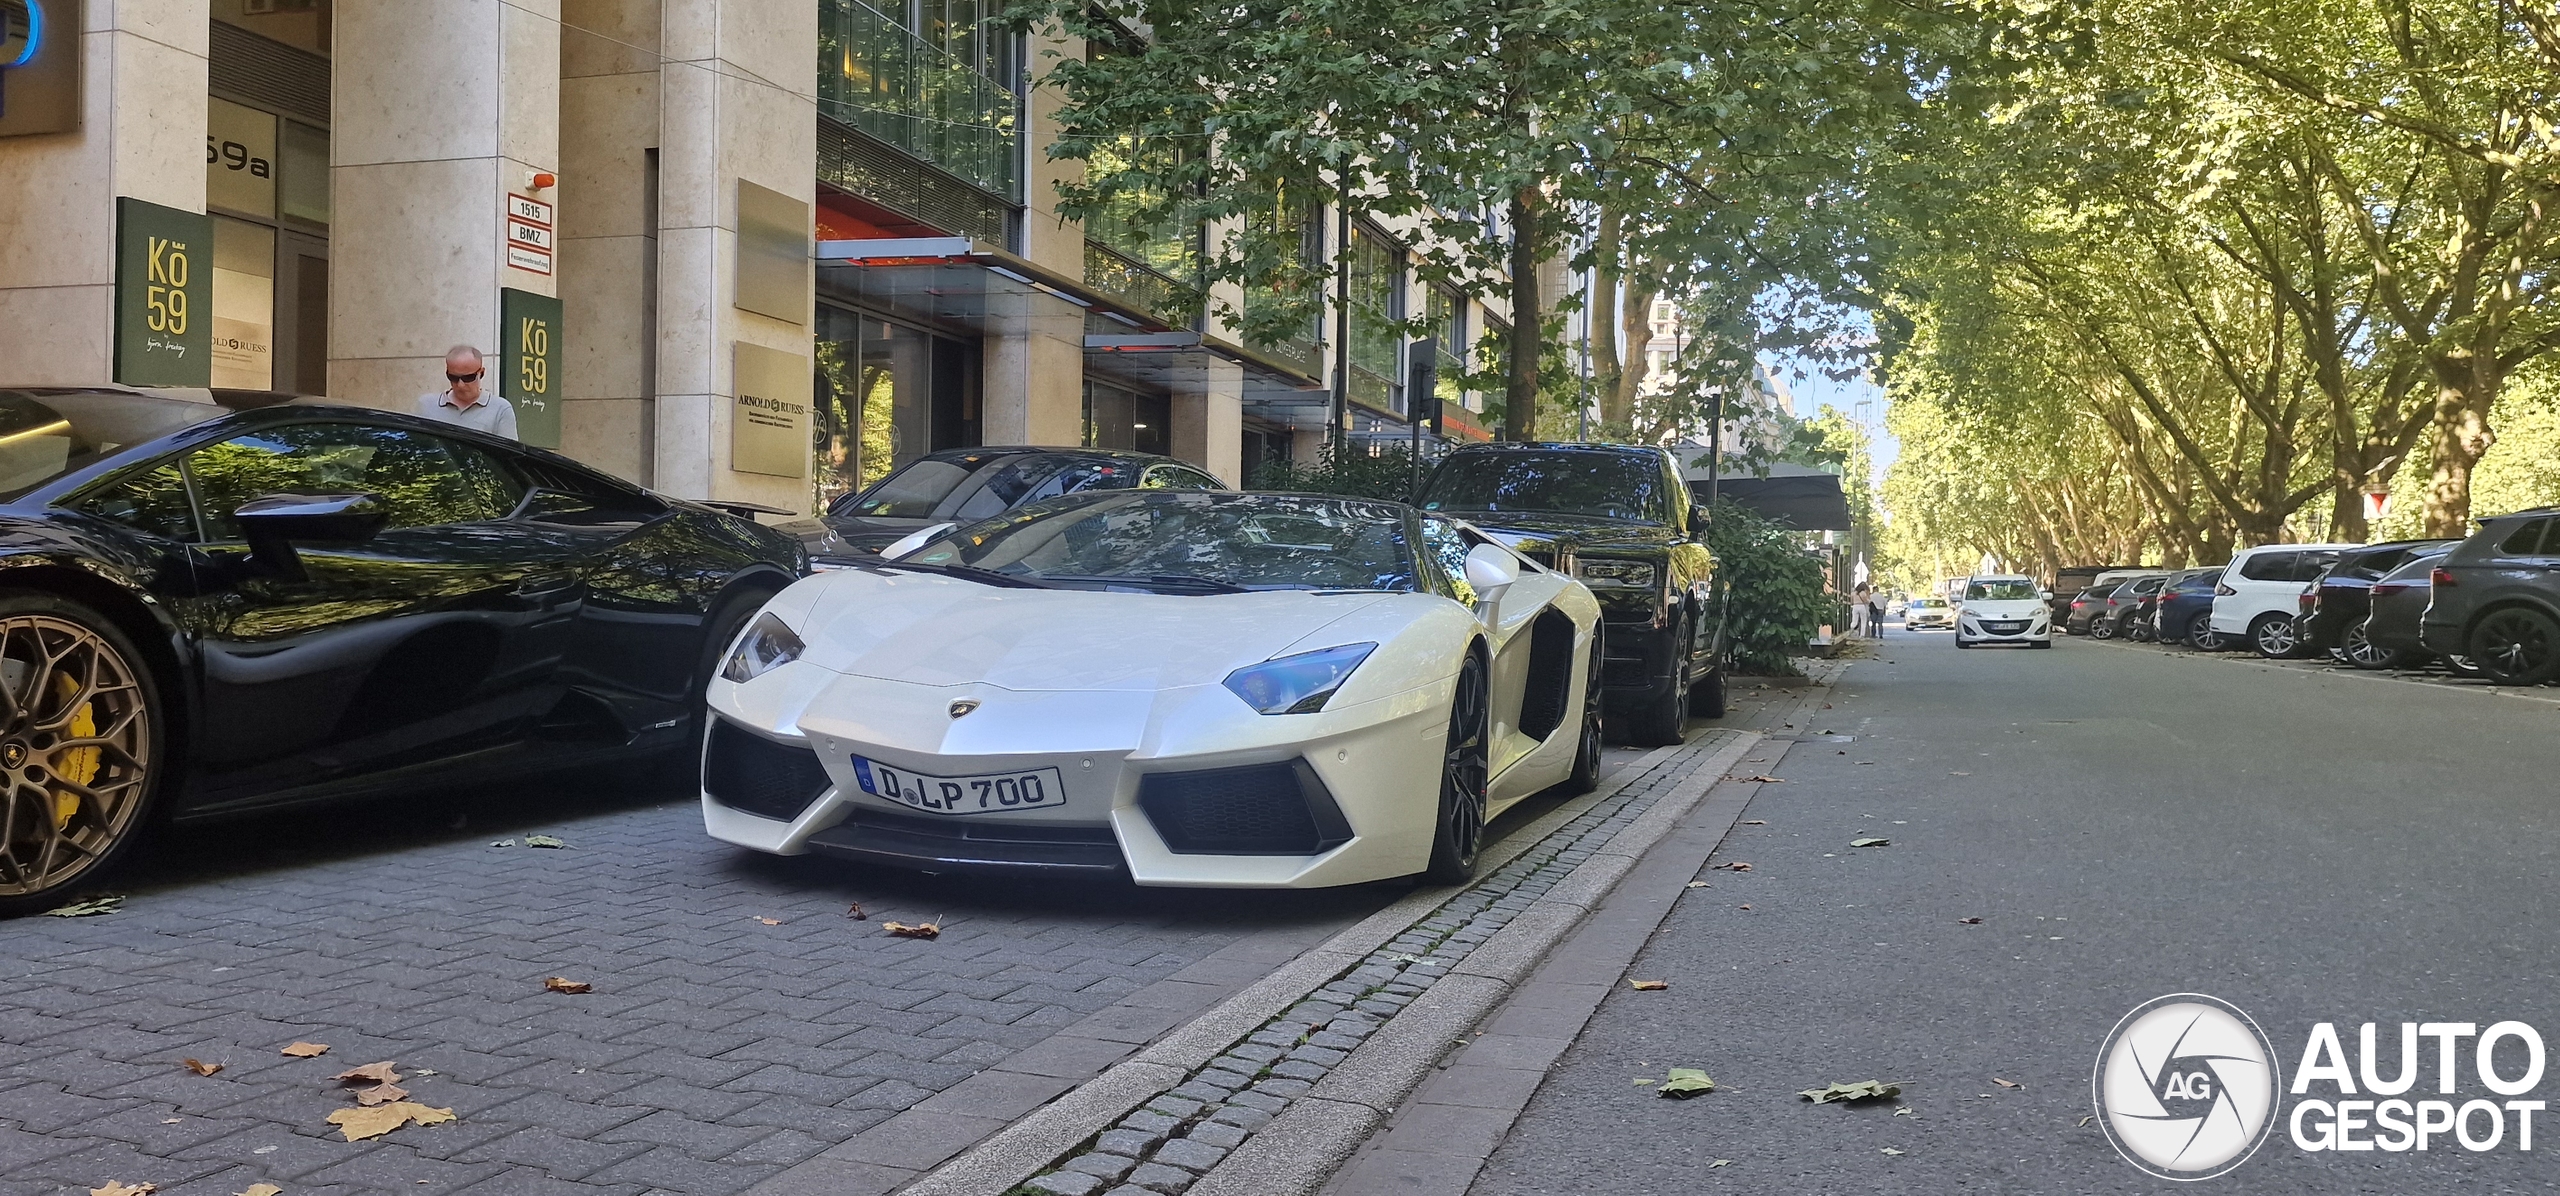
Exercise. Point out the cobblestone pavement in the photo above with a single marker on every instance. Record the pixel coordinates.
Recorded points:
(714, 1050)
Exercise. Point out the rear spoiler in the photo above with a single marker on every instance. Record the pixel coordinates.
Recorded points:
(743, 510)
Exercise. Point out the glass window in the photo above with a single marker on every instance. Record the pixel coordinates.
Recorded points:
(1118, 418)
(2309, 566)
(153, 501)
(1377, 303)
(1008, 484)
(2526, 540)
(1610, 485)
(1999, 591)
(1447, 549)
(2270, 566)
(302, 190)
(420, 482)
(1447, 311)
(885, 394)
(945, 96)
(914, 492)
(1184, 541)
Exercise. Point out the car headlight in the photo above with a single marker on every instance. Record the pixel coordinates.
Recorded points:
(768, 645)
(1627, 575)
(1299, 684)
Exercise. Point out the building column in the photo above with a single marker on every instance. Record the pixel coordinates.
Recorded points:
(737, 100)
(609, 91)
(1031, 377)
(141, 134)
(439, 113)
(1208, 423)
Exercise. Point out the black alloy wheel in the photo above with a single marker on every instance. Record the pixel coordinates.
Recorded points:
(2275, 637)
(2516, 645)
(2138, 631)
(1586, 751)
(80, 735)
(2101, 629)
(1465, 768)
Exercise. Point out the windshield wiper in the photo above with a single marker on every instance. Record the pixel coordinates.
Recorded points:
(1186, 581)
(965, 572)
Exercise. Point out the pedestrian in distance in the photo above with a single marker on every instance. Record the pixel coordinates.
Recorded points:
(461, 401)
(1858, 610)
(1875, 613)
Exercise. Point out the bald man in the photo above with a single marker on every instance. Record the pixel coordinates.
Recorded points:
(461, 401)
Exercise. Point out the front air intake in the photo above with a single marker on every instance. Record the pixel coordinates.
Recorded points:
(746, 771)
(1260, 809)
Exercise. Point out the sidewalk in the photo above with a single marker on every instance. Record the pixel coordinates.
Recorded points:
(1276, 1089)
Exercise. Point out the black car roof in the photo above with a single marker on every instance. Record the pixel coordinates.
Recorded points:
(1024, 450)
(1553, 446)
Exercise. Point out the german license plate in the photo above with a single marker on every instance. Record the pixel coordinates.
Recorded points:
(987, 793)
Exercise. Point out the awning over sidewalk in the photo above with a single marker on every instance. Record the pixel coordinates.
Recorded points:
(957, 282)
(1793, 496)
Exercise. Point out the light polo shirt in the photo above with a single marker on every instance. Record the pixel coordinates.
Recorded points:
(490, 414)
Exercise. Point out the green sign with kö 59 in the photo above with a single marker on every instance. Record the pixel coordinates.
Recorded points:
(529, 369)
(164, 295)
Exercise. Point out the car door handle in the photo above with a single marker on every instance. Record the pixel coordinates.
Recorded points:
(546, 585)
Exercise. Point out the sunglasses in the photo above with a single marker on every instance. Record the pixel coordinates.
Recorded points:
(464, 377)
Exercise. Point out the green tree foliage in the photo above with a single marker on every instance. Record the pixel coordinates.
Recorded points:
(1773, 592)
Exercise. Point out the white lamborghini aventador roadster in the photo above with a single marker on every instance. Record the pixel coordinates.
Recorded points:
(1186, 688)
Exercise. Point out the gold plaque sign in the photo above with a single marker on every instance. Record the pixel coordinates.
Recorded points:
(769, 420)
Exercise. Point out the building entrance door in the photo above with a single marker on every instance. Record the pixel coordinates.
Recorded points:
(886, 393)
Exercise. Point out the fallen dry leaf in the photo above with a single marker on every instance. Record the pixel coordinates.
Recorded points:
(1746, 907)
(1870, 842)
(2006, 1083)
(854, 912)
(381, 1094)
(90, 907)
(202, 1068)
(305, 1050)
(1890, 1150)
(360, 1124)
(261, 1190)
(543, 841)
(563, 984)
(1904, 1111)
(1970, 921)
(118, 1188)
(1737, 866)
(1721, 1163)
(1683, 1083)
(1648, 986)
(1755, 822)
(770, 921)
(922, 930)
(385, 1072)
(171, 1120)
(1762, 778)
(2086, 1120)
(1700, 884)
(1861, 1090)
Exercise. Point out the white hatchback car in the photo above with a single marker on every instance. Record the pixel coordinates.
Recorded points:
(2004, 610)
(2260, 595)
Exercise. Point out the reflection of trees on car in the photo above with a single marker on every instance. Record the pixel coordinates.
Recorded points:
(1308, 543)
(1597, 484)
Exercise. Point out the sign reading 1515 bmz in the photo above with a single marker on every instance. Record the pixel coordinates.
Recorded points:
(164, 295)
(529, 364)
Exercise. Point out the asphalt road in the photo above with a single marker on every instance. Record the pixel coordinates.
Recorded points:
(2126, 823)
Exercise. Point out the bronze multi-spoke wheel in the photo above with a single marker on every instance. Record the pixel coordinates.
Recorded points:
(77, 740)
(1465, 769)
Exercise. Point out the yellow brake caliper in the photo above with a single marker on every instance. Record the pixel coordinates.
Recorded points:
(76, 765)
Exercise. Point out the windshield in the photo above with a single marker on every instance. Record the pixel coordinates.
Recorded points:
(1925, 603)
(1999, 591)
(45, 435)
(913, 490)
(1189, 542)
(1606, 485)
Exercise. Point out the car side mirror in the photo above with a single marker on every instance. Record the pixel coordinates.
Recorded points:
(2047, 595)
(1490, 571)
(914, 540)
(274, 523)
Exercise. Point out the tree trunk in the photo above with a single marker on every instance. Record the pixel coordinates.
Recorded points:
(1635, 323)
(2466, 386)
(1606, 364)
(1528, 330)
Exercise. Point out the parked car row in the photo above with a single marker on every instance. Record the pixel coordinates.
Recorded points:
(1017, 661)
(2488, 605)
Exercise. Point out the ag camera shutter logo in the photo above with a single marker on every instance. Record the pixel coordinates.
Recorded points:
(2186, 1086)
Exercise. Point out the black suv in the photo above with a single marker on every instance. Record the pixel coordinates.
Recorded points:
(1619, 518)
(2496, 599)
